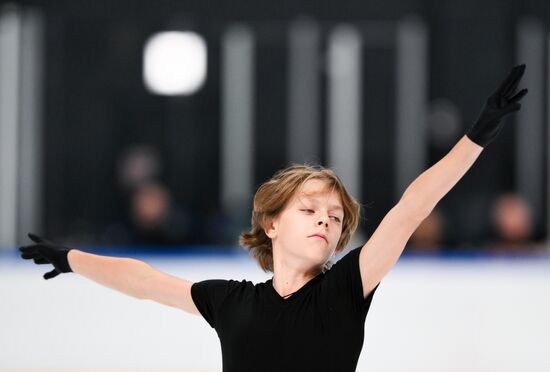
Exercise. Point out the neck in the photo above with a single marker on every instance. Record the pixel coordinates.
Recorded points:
(287, 280)
(290, 273)
(287, 285)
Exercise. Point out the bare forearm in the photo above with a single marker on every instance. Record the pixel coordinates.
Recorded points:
(125, 275)
(432, 185)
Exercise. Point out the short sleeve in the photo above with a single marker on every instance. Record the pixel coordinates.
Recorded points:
(344, 278)
(209, 295)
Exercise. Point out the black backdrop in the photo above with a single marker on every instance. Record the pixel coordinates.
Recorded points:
(96, 104)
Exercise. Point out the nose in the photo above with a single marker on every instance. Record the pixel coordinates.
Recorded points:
(323, 221)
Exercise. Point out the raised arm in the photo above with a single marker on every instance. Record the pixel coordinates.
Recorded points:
(385, 246)
(132, 277)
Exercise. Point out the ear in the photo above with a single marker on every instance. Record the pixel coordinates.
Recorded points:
(271, 228)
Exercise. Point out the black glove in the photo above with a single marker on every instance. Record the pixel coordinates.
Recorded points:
(499, 104)
(46, 252)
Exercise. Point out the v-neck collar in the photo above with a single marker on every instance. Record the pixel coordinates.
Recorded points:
(280, 299)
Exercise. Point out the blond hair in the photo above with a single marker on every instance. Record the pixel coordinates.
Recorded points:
(272, 197)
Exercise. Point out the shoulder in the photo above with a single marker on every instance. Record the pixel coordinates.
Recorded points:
(343, 280)
(346, 268)
(222, 286)
(348, 259)
(218, 290)
(212, 295)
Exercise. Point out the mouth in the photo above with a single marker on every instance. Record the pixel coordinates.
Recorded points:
(319, 236)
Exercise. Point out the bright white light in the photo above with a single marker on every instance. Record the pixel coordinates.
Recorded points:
(174, 63)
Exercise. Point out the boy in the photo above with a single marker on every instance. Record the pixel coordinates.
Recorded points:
(310, 316)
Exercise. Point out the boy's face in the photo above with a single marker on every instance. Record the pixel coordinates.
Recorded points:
(312, 210)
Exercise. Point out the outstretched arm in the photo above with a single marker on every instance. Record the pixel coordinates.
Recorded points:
(385, 246)
(430, 187)
(132, 277)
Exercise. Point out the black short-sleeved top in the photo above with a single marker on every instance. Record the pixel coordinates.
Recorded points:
(318, 328)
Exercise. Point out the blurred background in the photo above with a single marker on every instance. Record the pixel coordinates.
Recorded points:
(144, 128)
(153, 123)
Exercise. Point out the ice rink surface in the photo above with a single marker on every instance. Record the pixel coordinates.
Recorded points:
(444, 315)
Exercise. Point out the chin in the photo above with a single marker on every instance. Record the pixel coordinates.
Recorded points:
(320, 257)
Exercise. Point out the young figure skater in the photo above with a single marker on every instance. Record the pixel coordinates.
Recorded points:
(309, 316)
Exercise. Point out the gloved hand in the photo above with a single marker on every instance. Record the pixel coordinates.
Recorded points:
(499, 104)
(46, 252)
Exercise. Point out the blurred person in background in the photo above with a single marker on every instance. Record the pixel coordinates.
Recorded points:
(137, 164)
(150, 216)
(513, 225)
(428, 237)
(311, 314)
(155, 219)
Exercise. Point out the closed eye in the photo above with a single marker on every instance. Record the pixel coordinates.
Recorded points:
(312, 211)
